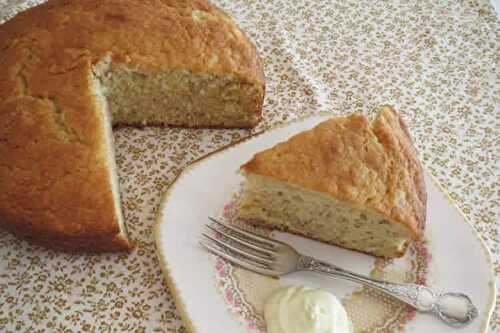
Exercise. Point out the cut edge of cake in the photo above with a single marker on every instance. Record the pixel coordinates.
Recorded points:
(124, 242)
(260, 189)
(176, 97)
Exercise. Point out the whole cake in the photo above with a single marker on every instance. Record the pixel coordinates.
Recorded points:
(70, 70)
(348, 181)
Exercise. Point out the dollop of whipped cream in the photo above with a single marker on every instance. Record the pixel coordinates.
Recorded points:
(298, 309)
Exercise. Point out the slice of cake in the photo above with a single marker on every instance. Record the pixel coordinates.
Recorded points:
(348, 181)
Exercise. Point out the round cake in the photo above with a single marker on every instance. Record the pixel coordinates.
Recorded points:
(73, 69)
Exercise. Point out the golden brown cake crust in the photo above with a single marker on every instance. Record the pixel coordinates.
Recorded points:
(148, 34)
(368, 164)
(53, 172)
(54, 180)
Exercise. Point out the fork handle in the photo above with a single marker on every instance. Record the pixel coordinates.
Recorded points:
(456, 309)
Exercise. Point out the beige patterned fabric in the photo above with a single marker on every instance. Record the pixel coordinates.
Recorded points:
(437, 62)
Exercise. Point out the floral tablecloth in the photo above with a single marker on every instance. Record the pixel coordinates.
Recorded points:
(437, 62)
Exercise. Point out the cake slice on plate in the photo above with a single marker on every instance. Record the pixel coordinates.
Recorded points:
(348, 181)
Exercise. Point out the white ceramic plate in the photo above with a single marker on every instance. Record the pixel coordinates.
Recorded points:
(214, 296)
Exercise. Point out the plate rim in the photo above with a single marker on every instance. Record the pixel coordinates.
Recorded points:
(186, 320)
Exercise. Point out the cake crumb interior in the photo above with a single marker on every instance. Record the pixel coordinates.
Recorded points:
(176, 97)
(279, 205)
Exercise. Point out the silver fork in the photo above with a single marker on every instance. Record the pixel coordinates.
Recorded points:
(274, 258)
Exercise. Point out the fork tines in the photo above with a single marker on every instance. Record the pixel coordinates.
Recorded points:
(241, 247)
